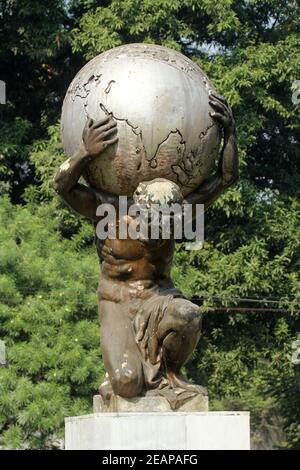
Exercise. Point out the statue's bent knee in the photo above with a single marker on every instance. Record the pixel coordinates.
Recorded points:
(189, 315)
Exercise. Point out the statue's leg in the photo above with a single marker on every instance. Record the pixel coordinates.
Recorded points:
(120, 353)
(179, 332)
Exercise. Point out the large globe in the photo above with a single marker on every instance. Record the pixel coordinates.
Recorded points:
(159, 99)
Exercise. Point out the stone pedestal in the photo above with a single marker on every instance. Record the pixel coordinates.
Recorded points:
(159, 430)
(147, 404)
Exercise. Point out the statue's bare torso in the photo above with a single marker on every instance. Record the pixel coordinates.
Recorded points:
(133, 260)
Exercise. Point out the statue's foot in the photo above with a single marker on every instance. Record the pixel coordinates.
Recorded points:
(178, 381)
(106, 390)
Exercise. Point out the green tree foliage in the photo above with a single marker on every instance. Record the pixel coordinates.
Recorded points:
(250, 50)
(49, 324)
(36, 65)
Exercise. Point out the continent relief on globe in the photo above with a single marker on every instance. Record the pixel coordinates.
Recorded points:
(159, 99)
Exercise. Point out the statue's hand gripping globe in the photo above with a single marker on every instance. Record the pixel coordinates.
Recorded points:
(159, 99)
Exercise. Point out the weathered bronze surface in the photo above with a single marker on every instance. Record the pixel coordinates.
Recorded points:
(148, 328)
(137, 84)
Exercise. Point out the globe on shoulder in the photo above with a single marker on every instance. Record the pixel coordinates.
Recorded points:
(159, 99)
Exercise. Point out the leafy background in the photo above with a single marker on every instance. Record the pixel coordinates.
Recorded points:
(48, 266)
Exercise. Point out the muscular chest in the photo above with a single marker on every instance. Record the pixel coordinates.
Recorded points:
(134, 250)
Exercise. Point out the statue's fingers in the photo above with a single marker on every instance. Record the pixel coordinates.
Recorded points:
(218, 97)
(102, 122)
(215, 101)
(219, 117)
(110, 132)
(111, 141)
(99, 134)
(90, 122)
(101, 129)
(87, 126)
(218, 106)
(111, 124)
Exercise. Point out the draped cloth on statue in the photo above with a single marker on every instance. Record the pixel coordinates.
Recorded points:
(146, 304)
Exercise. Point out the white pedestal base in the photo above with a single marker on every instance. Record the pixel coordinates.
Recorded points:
(159, 431)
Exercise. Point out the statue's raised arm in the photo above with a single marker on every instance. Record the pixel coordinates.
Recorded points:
(227, 172)
(96, 137)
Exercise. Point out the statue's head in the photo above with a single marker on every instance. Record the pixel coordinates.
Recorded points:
(158, 191)
(160, 201)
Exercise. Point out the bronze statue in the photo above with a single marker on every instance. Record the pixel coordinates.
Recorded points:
(148, 328)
